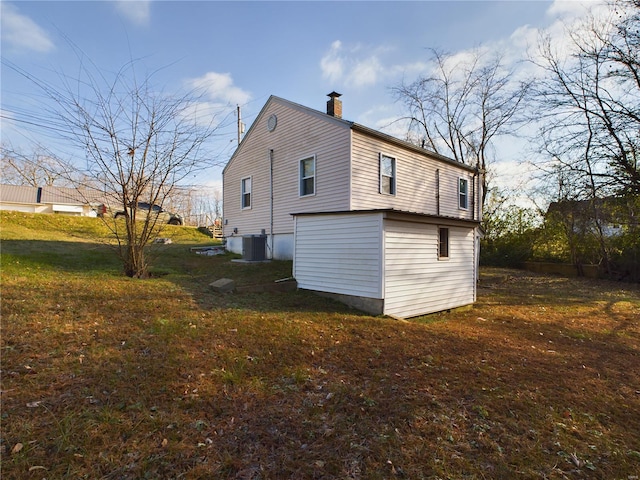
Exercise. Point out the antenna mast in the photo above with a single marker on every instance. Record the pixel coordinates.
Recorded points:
(240, 125)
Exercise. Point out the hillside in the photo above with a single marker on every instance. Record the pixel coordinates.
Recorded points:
(26, 226)
(104, 376)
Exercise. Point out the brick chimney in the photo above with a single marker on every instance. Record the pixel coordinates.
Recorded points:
(334, 105)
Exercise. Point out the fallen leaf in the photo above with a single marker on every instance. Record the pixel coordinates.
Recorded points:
(164, 442)
(576, 461)
(16, 448)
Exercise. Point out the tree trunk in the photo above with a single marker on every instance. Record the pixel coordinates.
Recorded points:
(135, 265)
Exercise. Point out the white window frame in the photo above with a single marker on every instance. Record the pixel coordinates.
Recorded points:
(243, 193)
(464, 195)
(393, 176)
(302, 179)
(446, 254)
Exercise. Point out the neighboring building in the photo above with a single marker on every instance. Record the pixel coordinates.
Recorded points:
(62, 200)
(612, 215)
(380, 223)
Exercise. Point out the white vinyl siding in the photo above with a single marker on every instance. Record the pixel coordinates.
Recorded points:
(339, 254)
(300, 133)
(68, 209)
(417, 188)
(415, 283)
(374, 256)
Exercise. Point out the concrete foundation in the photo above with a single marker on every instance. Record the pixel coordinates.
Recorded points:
(373, 306)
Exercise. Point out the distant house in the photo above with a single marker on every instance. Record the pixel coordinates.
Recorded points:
(612, 215)
(372, 220)
(61, 200)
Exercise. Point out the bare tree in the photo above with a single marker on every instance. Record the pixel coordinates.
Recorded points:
(139, 143)
(588, 105)
(206, 206)
(588, 109)
(462, 106)
(36, 169)
(199, 205)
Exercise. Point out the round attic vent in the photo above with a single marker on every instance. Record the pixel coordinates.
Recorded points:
(272, 122)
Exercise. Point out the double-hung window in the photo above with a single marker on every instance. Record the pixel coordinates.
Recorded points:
(387, 175)
(308, 176)
(443, 243)
(245, 187)
(463, 193)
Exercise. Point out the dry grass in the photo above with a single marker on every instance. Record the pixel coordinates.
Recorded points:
(108, 377)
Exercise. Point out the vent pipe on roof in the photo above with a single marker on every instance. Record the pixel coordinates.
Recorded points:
(334, 106)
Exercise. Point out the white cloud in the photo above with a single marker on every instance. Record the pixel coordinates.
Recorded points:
(520, 51)
(365, 72)
(332, 64)
(218, 94)
(354, 66)
(522, 39)
(414, 68)
(394, 126)
(22, 33)
(136, 11)
(205, 114)
(570, 9)
(567, 20)
(361, 66)
(214, 187)
(219, 88)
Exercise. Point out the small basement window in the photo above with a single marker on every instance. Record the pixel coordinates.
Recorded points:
(443, 243)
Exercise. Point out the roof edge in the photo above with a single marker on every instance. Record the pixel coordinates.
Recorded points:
(390, 212)
(354, 126)
(414, 148)
(289, 103)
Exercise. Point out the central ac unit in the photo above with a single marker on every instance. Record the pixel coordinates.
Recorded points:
(254, 248)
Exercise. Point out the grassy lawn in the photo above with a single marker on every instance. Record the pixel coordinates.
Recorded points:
(108, 377)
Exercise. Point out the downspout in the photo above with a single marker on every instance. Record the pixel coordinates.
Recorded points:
(438, 191)
(480, 173)
(473, 195)
(477, 211)
(271, 199)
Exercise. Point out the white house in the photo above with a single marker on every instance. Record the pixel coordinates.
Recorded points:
(49, 199)
(375, 221)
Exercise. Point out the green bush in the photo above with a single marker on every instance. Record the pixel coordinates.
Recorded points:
(508, 250)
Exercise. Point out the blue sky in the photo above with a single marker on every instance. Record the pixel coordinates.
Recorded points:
(246, 51)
